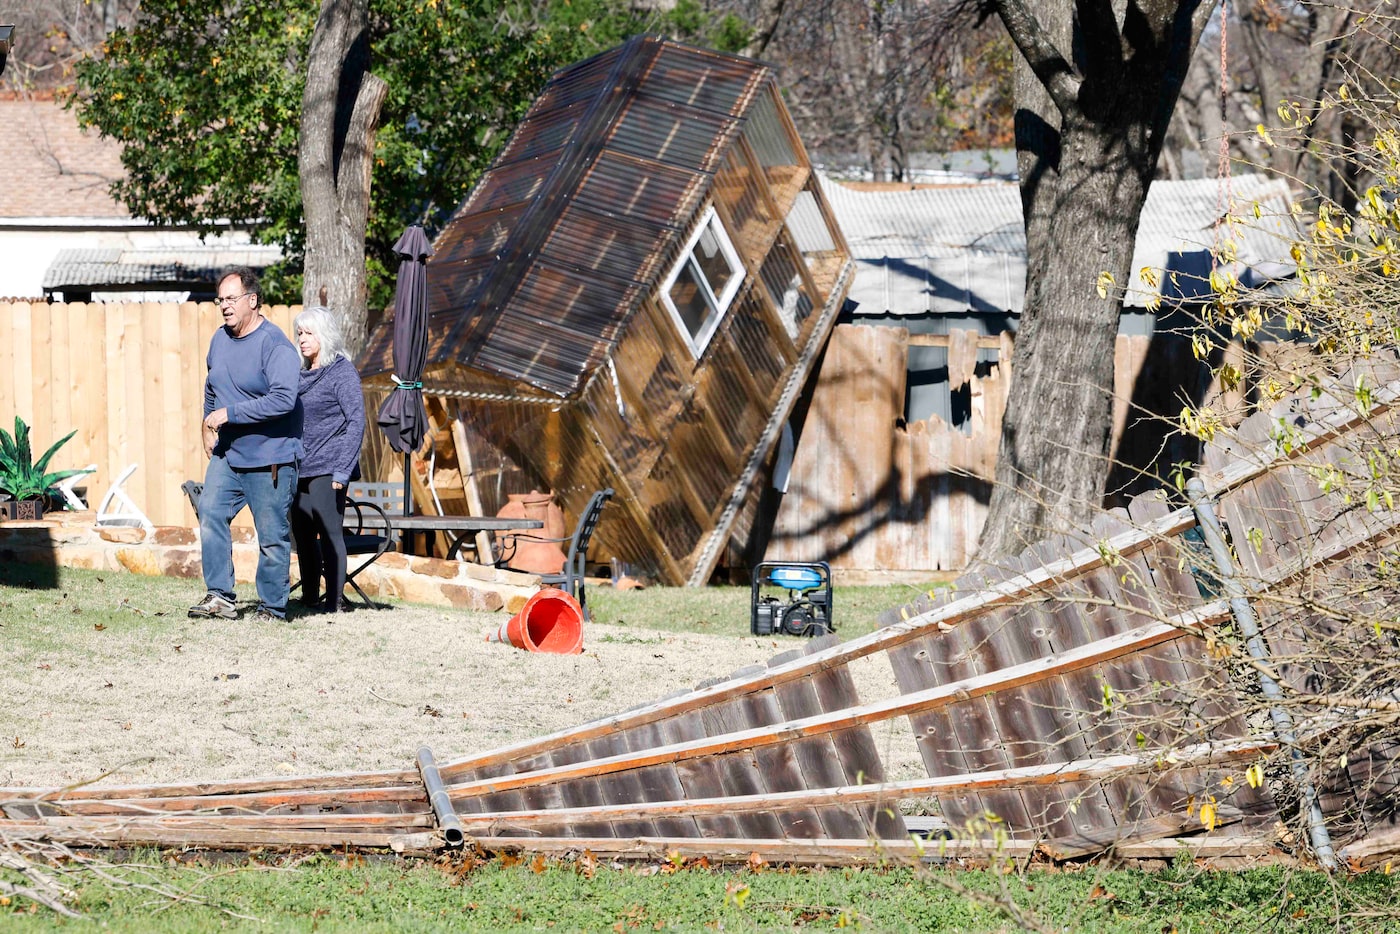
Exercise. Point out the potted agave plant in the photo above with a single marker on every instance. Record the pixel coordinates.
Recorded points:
(24, 480)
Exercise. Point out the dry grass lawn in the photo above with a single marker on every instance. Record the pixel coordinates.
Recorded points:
(106, 679)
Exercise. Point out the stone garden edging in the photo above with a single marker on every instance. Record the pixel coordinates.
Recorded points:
(71, 539)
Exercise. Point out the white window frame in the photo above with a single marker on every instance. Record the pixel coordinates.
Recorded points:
(719, 304)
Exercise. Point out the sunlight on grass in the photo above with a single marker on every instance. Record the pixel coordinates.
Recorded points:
(332, 893)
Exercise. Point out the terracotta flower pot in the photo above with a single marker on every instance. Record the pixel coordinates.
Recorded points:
(530, 554)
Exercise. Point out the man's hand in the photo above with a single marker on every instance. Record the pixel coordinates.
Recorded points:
(216, 419)
(211, 438)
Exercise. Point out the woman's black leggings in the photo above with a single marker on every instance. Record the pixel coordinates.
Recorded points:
(318, 517)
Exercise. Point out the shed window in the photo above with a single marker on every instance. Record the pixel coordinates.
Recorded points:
(700, 289)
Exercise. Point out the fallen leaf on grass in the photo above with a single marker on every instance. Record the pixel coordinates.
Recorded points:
(430, 711)
(228, 677)
(126, 726)
(538, 864)
(17, 743)
(98, 626)
(107, 684)
(44, 666)
(178, 647)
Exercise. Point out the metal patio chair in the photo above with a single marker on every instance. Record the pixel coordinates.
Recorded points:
(571, 579)
(359, 541)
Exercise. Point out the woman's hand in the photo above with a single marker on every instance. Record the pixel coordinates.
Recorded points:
(337, 486)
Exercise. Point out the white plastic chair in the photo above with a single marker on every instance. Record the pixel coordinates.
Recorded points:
(73, 500)
(118, 509)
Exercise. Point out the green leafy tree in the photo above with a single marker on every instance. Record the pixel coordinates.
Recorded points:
(206, 97)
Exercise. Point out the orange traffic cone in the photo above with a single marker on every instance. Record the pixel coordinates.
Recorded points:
(550, 621)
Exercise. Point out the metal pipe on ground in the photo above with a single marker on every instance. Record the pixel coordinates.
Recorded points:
(447, 820)
(1243, 612)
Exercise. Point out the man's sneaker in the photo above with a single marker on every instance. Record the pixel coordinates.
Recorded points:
(214, 606)
(264, 615)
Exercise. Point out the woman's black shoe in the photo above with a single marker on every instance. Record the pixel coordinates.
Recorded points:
(333, 606)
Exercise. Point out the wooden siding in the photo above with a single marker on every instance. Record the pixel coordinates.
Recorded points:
(874, 495)
(129, 378)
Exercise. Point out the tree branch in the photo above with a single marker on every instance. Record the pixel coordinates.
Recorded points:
(1049, 66)
(357, 159)
(769, 17)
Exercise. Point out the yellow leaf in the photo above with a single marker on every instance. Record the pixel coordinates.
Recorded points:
(1263, 132)
(1208, 816)
(1102, 285)
(1254, 775)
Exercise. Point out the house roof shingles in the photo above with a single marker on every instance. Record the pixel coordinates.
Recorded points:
(52, 168)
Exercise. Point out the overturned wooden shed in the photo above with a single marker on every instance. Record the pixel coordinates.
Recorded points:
(632, 297)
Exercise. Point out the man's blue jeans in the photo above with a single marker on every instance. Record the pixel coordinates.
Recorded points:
(226, 491)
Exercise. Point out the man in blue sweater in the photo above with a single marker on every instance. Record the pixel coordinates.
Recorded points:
(252, 436)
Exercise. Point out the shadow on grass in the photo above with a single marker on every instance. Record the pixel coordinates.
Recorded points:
(29, 574)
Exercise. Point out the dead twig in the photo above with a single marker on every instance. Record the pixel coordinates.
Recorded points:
(385, 699)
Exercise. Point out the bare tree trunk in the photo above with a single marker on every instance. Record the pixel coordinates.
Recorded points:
(340, 113)
(1088, 137)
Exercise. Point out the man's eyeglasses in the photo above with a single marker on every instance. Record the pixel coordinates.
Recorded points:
(228, 301)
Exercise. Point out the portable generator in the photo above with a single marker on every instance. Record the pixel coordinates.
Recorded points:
(792, 598)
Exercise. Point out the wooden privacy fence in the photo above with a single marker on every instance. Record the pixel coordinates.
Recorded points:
(128, 377)
(874, 496)
(1074, 699)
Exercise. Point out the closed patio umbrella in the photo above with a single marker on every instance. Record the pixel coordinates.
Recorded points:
(402, 416)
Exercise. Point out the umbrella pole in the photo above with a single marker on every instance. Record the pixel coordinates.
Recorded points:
(407, 542)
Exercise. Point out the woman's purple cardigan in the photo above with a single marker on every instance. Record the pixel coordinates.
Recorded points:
(334, 426)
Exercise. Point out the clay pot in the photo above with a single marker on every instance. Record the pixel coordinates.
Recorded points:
(532, 555)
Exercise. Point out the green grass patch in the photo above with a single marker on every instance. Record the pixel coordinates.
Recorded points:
(725, 610)
(105, 597)
(327, 893)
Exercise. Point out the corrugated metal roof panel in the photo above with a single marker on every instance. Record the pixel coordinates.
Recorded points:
(962, 249)
(188, 267)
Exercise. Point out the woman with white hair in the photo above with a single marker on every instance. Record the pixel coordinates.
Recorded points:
(333, 430)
